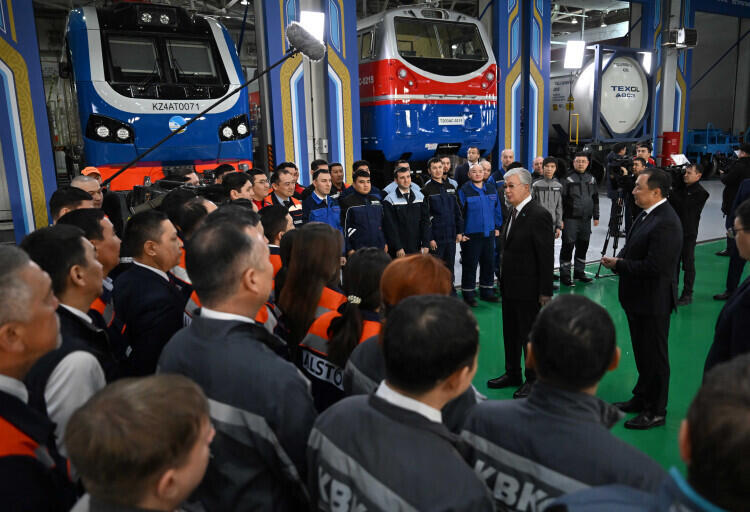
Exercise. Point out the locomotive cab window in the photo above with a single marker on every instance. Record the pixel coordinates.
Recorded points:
(192, 61)
(366, 47)
(445, 48)
(133, 59)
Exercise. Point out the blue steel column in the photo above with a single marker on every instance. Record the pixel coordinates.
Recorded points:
(507, 29)
(24, 128)
(344, 136)
(285, 119)
(652, 28)
(521, 41)
(535, 77)
(684, 68)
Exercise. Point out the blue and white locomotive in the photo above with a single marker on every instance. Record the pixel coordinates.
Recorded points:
(141, 70)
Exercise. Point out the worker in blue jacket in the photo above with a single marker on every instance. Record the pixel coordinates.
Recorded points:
(445, 214)
(483, 218)
(362, 216)
(319, 206)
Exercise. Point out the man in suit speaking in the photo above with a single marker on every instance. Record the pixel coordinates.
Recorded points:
(648, 270)
(526, 277)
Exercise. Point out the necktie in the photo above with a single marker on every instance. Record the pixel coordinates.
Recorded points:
(513, 216)
(638, 220)
(288, 204)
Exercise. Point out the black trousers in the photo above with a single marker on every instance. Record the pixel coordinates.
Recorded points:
(649, 335)
(518, 317)
(688, 264)
(575, 235)
(478, 250)
(446, 251)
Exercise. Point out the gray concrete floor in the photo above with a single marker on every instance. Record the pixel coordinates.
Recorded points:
(711, 226)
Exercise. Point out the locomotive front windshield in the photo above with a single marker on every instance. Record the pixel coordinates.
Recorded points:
(133, 57)
(191, 58)
(158, 66)
(440, 47)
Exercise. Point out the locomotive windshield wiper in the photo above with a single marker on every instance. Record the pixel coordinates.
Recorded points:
(152, 77)
(181, 73)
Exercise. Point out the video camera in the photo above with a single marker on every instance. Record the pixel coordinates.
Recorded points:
(120, 205)
(621, 172)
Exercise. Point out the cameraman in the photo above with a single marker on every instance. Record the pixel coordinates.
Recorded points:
(688, 198)
(627, 184)
(615, 168)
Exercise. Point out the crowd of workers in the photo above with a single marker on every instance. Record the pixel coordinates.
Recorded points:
(299, 348)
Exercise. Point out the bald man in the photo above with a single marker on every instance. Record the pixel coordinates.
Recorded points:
(538, 168)
(507, 157)
(90, 185)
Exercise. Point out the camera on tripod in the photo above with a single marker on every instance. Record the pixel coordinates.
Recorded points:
(621, 172)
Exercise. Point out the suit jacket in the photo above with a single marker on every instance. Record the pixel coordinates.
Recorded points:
(742, 195)
(528, 254)
(732, 326)
(152, 309)
(648, 267)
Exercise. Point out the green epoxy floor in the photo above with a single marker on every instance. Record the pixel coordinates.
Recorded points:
(690, 336)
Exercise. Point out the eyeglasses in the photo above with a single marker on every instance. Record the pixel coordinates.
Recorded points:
(732, 232)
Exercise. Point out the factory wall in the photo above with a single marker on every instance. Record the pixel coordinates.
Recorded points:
(711, 99)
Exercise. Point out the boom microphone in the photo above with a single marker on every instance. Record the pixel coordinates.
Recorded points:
(305, 42)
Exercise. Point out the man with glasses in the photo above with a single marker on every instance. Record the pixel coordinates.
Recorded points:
(259, 188)
(580, 198)
(688, 199)
(736, 262)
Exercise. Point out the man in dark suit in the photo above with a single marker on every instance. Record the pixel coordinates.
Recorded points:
(461, 174)
(526, 277)
(648, 270)
(736, 262)
(148, 298)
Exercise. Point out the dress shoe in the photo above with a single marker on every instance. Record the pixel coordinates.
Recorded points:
(684, 300)
(582, 277)
(524, 390)
(632, 405)
(555, 286)
(722, 296)
(470, 301)
(490, 298)
(504, 381)
(566, 280)
(725, 252)
(645, 421)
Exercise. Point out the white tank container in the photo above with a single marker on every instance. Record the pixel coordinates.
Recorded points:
(624, 98)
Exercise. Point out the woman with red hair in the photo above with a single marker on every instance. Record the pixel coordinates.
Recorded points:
(418, 274)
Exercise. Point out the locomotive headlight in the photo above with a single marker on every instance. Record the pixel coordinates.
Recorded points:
(122, 133)
(241, 129)
(227, 132)
(411, 83)
(102, 131)
(402, 73)
(485, 85)
(164, 19)
(490, 76)
(146, 17)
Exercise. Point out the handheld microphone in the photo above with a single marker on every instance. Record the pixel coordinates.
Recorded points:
(305, 42)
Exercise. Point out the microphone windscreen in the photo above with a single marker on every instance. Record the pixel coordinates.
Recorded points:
(305, 42)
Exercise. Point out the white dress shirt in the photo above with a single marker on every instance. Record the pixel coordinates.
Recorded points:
(14, 387)
(399, 400)
(220, 315)
(153, 269)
